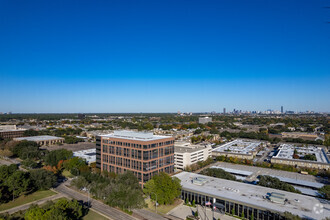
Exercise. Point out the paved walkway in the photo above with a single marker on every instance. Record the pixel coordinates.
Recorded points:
(182, 211)
(98, 206)
(37, 202)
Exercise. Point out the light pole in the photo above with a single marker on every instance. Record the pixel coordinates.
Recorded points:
(156, 201)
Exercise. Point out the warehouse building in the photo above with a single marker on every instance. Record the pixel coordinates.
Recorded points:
(44, 140)
(256, 202)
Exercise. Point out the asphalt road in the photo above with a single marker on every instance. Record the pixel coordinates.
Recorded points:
(106, 210)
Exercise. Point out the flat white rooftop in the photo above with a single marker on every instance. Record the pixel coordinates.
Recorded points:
(254, 195)
(38, 138)
(286, 151)
(238, 146)
(133, 135)
(89, 155)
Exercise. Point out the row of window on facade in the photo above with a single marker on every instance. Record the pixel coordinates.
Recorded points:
(133, 164)
(137, 154)
(139, 175)
(229, 207)
(140, 146)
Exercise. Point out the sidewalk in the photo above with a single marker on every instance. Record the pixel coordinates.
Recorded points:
(182, 211)
(27, 205)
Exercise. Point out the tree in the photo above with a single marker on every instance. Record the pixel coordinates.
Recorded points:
(30, 163)
(34, 213)
(6, 171)
(325, 191)
(218, 173)
(275, 183)
(27, 149)
(53, 157)
(18, 183)
(74, 163)
(126, 193)
(166, 188)
(42, 179)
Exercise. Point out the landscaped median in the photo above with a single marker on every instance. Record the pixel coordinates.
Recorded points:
(24, 199)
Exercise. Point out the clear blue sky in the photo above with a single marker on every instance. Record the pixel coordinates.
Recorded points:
(164, 56)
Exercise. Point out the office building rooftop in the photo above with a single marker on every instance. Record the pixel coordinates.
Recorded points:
(253, 195)
(133, 135)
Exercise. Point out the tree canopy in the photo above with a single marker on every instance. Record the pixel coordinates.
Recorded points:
(166, 188)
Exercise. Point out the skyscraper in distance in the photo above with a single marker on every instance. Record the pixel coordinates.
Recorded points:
(282, 109)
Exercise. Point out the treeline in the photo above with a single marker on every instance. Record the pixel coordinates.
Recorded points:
(14, 182)
(275, 183)
(218, 173)
(58, 132)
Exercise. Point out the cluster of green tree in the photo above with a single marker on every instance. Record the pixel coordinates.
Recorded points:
(61, 209)
(72, 140)
(275, 183)
(218, 173)
(121, 190)
(325, 192)
(201, 138)
(199, 165)
(309, 157)
(59, 132)
(14, 182)
(278, 129)
(28, 150)
(249, 135)
(165, 188)
(299, 140)
(54, 157)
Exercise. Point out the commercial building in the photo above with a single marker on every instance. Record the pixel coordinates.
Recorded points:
(302, 135)
(144, 153)
(43, 140)
(256, 202)
(204, 120)
(243, 149)
(186, 154)
(89, 155)
(10, 131)
(289, 154)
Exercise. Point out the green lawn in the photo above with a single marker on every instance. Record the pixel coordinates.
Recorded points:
(162, 208)
(67, 174)
(26, 199)
(94, 215)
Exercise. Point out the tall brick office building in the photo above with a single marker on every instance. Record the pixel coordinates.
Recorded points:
(145, 154)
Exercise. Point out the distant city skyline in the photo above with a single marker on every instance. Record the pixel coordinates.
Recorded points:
(164, 56)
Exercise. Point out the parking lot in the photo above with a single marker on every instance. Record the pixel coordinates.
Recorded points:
(73, 147)
(267, 171)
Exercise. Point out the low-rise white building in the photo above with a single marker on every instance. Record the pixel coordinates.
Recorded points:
(89, 155)
(204, 120)
(243, 149)
(186, 154)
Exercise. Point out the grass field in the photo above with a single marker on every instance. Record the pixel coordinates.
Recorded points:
(162, 208)
(93, 216)
(67, 174)
(26, 199)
